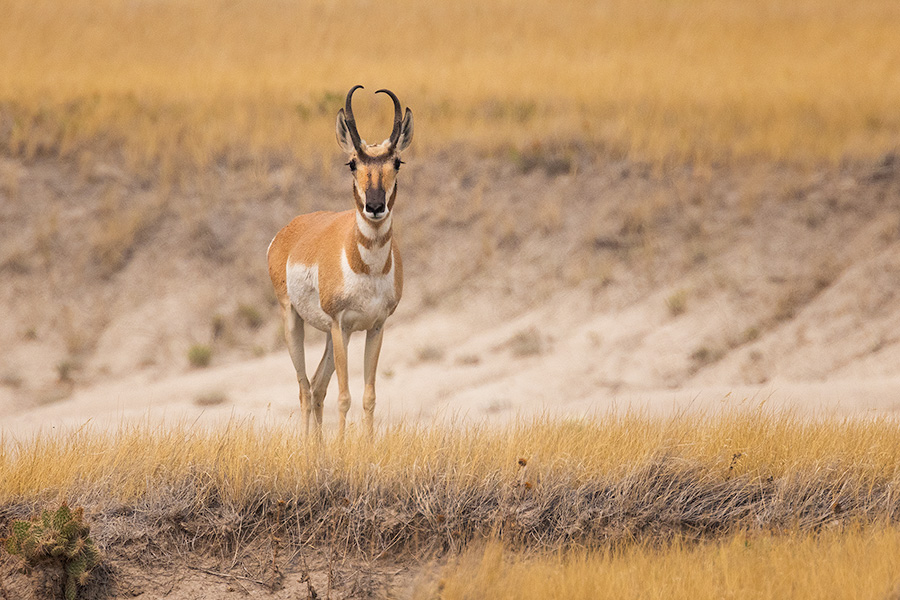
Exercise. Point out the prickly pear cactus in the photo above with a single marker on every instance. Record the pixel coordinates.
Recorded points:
(60, 536)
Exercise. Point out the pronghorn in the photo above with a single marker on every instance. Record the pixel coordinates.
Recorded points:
(341, 272)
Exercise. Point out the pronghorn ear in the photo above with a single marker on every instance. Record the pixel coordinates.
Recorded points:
(406, 131)
(343, 133)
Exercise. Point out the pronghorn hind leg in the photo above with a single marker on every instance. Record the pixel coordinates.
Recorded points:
(293, 335)
(340, 339)
(373, 349)
(320, 382)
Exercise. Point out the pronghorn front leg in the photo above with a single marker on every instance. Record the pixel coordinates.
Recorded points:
(293, 335)
(340, 338)
(373, 349)
(320, 383)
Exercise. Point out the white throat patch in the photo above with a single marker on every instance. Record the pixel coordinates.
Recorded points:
(373, 231)
(376, 256)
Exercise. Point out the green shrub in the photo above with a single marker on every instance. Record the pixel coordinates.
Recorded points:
(250, 316)
(199, 355)
(61, 537)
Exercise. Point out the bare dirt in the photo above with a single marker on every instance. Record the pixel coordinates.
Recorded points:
(315, 574)
(552, 282)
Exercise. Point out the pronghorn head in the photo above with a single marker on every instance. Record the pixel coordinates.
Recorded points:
(374, 167)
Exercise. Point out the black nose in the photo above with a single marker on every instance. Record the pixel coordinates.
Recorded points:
(375, 200)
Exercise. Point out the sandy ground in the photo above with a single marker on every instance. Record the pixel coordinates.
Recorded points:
(471, 374)
(619, 288)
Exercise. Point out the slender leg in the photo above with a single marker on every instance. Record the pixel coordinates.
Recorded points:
(320, 383)
(340, 339)
(293, 335)
(373, 348)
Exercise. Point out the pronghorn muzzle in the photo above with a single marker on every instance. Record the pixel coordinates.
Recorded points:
(375, 202)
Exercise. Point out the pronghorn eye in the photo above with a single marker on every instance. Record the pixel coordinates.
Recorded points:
(352, 164)
(397, 163)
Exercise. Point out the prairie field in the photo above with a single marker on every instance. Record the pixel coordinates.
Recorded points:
(172, 83)
(793, 565)
(648, 343)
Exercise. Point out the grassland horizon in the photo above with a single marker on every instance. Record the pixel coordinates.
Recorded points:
(171, 83)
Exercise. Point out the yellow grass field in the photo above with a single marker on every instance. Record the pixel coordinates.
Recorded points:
(855, 564)
(703, 80)
(246, 460)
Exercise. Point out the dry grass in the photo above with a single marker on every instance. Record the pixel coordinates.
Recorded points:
(848, 563)
(541, 484)
(174, 83)
(699, 506)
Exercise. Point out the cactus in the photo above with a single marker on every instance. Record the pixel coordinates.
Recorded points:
(60, 536)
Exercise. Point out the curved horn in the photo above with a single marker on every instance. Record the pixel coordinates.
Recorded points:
(351, 122)
(398, 116)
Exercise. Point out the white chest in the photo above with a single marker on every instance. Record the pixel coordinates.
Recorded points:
(366, 300)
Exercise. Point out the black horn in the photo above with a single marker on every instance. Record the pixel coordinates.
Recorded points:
(351, 122)
(398, 116)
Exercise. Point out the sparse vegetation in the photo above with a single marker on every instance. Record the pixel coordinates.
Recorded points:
(11, 379)
(118, 228)
(751, 334)
(250, 316)
(429, 354)
(677, 303)
(704, 355)
(65, 370)
(468, 360)
(200, 355)
(213, 398)
(527, 342)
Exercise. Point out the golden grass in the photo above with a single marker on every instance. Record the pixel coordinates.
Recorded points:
(176, 83)
(857, 564)
(741, 504)
(707, 465)
(249, 458)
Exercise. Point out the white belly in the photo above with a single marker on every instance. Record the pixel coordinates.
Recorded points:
(368, 299)
(303, 291)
